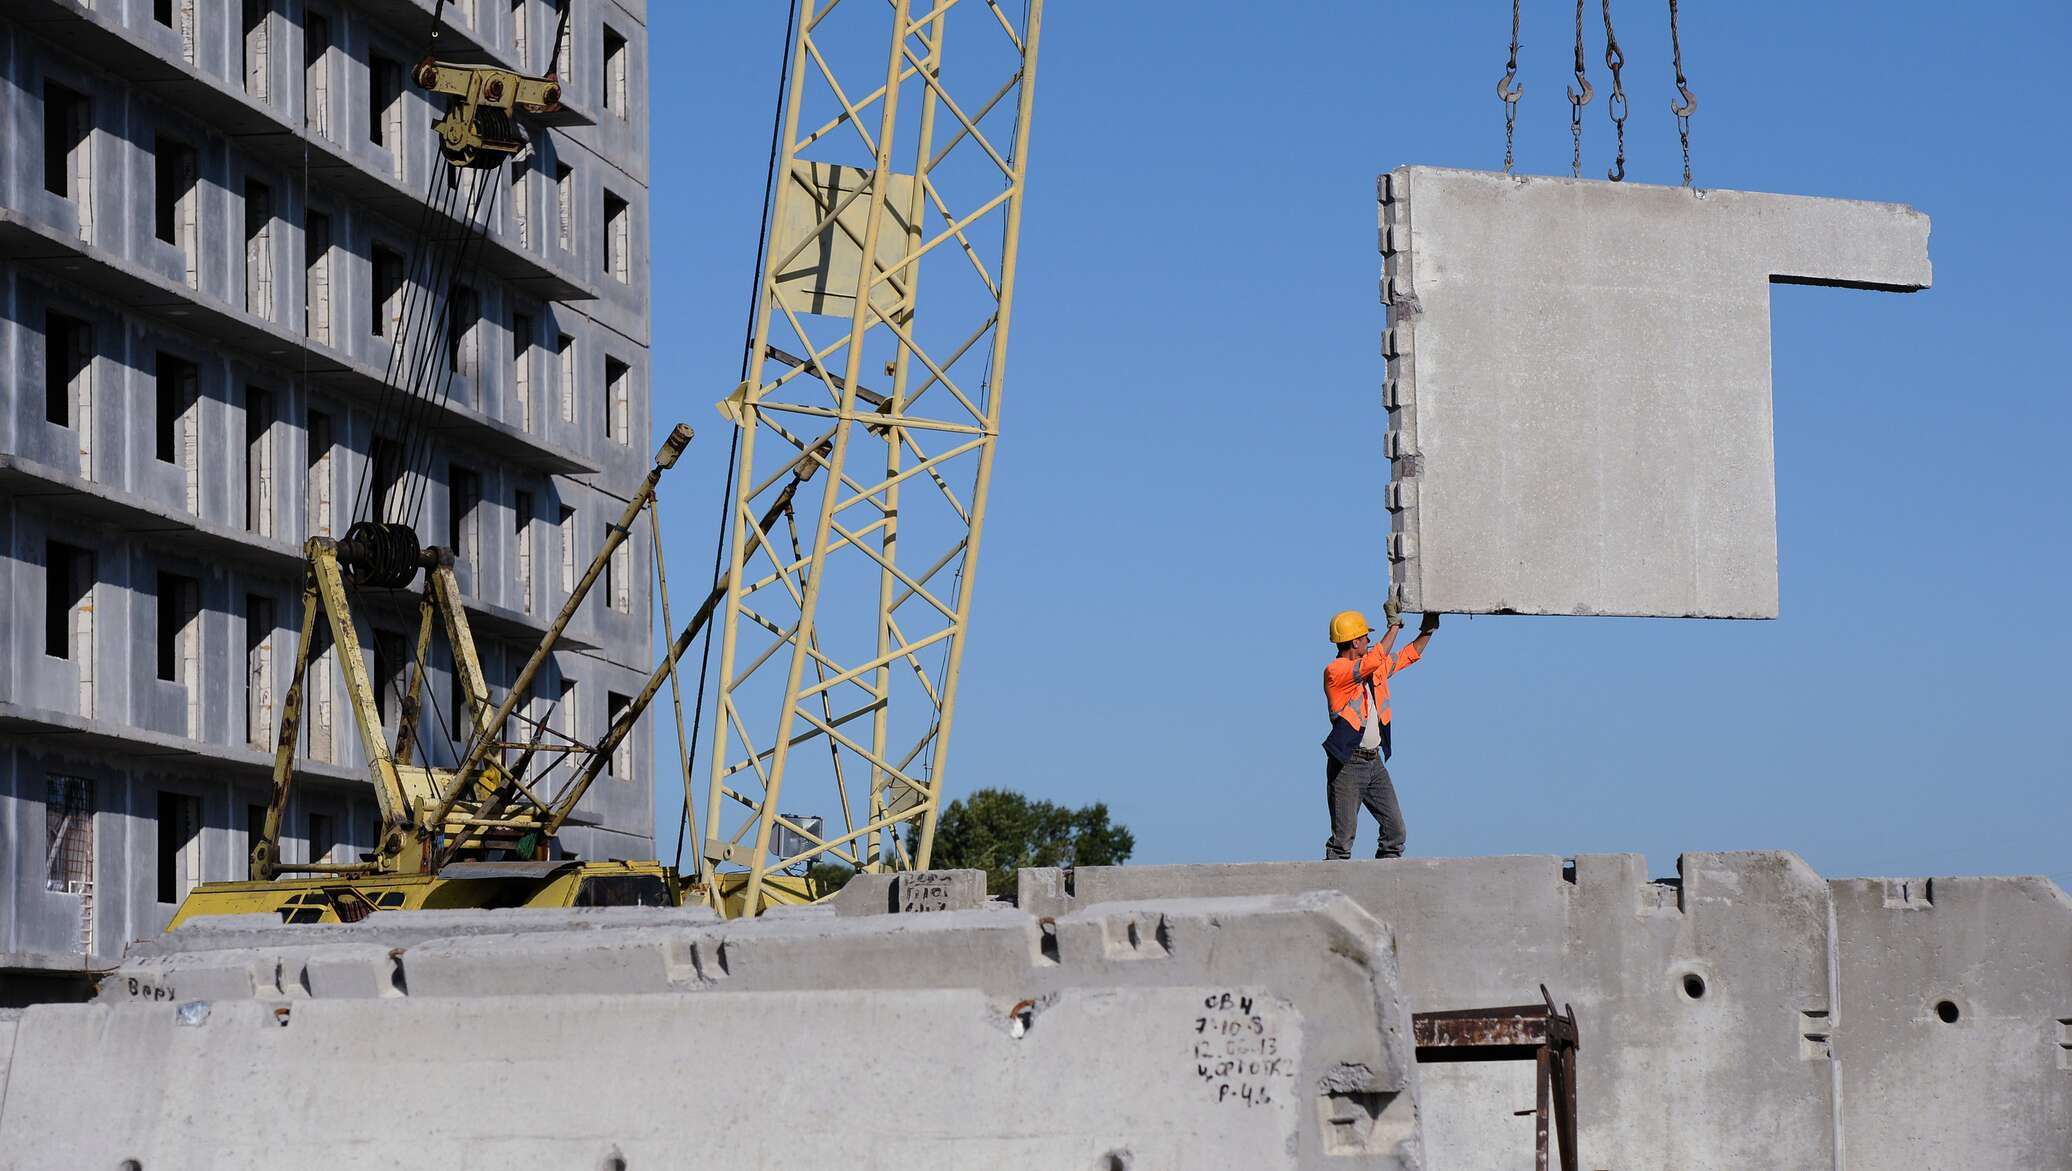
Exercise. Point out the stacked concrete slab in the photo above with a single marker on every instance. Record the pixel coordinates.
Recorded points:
(1196, 1033)
(1747, 1014)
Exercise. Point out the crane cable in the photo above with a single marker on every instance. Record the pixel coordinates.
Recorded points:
(1687, 102)
(416, 384)
(1614, 60)
(1576, 101)
(1509, 89)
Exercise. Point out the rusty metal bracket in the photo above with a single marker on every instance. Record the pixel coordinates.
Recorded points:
(1521, 1032)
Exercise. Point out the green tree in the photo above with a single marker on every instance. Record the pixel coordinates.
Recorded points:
(999, 831)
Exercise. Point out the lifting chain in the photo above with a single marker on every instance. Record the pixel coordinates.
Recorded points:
(1615, 60)
(1508, 89)
(1575, 102)
(1687, 102)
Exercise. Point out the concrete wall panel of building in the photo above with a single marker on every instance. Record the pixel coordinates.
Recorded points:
(206, 236)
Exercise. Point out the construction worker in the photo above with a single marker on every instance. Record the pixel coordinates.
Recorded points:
(1356, 691)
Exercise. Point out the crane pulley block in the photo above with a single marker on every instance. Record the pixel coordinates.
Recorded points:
(480, 128)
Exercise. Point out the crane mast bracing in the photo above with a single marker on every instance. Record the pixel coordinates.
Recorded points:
(840, 645)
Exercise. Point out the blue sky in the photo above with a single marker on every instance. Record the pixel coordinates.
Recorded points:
(1194, 392)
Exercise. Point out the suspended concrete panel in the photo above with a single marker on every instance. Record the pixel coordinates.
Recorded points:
(1579, 385)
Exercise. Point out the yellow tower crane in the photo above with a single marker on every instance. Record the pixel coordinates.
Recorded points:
(878, 351)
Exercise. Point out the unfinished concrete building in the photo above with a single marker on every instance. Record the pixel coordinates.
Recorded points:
(207, 209)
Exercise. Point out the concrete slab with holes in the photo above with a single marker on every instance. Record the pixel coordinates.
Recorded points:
(1746, 1013)
(1579, 385)
(1257, 1032)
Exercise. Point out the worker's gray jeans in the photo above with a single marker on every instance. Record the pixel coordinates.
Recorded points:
(1351, 784)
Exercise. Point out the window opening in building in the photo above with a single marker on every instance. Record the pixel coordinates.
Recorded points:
(521, 366)
(67, 358)
(68, 588)
(179, 614)
(68, 150)
(259, 624)
(385, 309)
(463, 500)
(618, 237)
(186, 25)
(258, 47)
(564, 59)
(255, 829)
(178, 384)
(258, 249)
(614, 71)
(323, 674)
(565, 353)
(567, 525)
(521, 201)
(316, 276)
(619, 577)
(173, 195)
(569, 723)
(618, 422)
(179, 845)
(68, 824)
(388, 471)
(458, 722)
(177, 426)
(316, 73)
(323, 837)
(621, 763)
(391, 657)
(317, 430)
(463, 313)
(565, 202)
(162, 12)
(521, 34)
(385, 105)
(258, 461)
(521, 536)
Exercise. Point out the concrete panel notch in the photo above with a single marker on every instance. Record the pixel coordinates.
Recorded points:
(1578, 385)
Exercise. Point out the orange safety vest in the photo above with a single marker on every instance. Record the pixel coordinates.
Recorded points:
(1346, 682)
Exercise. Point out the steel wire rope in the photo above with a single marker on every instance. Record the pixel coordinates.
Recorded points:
(429, 347)
(363, 494)
(726, 501)
(439, 331)
(405, 324)
(424, 451)
(427, 404)
(430, 342)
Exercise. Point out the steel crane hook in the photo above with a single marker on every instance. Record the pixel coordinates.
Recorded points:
(1588, 90)
(1507, 88)
(1689, 103)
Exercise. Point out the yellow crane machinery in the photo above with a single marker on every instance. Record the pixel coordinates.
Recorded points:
(844, 610)
(478, 834)
(890, 254)
(480, 128)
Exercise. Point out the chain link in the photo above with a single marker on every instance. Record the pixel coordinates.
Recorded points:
(1688, 102)
(1508, 90)
(1615, 60)
(1576, 102)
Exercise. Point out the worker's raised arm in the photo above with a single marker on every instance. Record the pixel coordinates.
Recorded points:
(1415, 651)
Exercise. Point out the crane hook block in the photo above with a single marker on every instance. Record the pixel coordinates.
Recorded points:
(480, 128)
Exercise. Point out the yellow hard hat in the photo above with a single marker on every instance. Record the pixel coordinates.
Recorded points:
(1347, 625)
